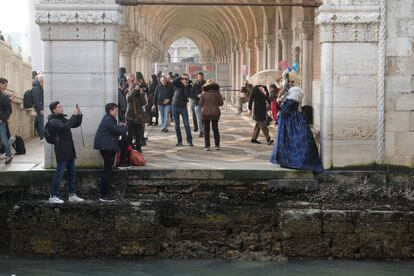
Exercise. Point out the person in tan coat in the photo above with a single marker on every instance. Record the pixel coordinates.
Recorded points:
(210, 102)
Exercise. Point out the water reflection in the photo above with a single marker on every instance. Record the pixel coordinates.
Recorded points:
(58, 267)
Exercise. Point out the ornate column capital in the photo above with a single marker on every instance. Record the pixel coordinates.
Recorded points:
(306, 29)
(237, 48)
(258, 43)
(348, 23)
(128, 42)
(79, 20)
(270, 41)
(285, 34)
(249, 46)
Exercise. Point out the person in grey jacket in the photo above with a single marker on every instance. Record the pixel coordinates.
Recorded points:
(107, 142)
(38, 94)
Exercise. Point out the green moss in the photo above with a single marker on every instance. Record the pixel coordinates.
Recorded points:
(218, 219)
(133, 248)
(42, 246)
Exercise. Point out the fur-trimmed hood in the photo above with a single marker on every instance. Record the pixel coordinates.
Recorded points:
(295, 93)
(211, 86)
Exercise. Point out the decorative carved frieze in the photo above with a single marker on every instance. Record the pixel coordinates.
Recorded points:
(79, 20)
(350, 24)
(79, 32)
(72, 17)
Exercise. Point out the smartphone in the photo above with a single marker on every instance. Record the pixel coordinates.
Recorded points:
(77, 106)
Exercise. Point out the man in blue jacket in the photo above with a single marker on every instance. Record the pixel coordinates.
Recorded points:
(107, 142)
(182, 91)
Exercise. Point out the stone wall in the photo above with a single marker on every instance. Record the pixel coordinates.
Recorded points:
(169, 215)
(349, 68)
(19, 75)
(192, 230)
(399, 117)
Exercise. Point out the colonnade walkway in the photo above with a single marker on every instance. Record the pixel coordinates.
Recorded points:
(236, 153)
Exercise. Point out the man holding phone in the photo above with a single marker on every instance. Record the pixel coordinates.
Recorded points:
(182, 92)
(64, 150)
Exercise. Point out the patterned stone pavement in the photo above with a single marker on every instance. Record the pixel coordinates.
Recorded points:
(161, 153)
(236, 150)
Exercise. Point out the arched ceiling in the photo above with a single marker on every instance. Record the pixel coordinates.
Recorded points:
(214, 29)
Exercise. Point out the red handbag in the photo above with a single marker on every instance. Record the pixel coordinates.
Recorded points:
(136, 158)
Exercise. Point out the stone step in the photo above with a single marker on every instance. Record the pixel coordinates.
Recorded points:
(133, 183)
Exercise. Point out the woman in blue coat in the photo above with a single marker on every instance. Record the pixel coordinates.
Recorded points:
(295, 147)
(107, 142)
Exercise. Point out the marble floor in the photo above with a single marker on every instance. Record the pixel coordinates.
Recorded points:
(161, 152)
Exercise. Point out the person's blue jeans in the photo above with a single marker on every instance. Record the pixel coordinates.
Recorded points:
(197, 110)
(60, 170)
(4, 139)
(164, 113)
(177, 111)
(40, 125)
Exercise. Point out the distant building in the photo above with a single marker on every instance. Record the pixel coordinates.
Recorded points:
(184, 50)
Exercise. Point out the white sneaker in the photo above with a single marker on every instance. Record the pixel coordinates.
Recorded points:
(75, 199)
(55, 200)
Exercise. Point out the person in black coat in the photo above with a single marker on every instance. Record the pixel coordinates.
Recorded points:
(182, 92)
(37, 93)
(153, 112)
(258, 102)
(5, 112)
(64, 150)
(107, 142)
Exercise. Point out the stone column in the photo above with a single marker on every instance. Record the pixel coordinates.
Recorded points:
(349, 49)
(243, 61)
(238, 66)
(35, 44)
(271, 54)
(307, 61)
(258, 43)
(286, 38)
(80, 58)
(232, 69)
(133, 61)
(125, 57)
(233, 74)
(138, 62)
(249, 49)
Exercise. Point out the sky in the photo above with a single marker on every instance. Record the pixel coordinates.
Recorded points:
(14, 16)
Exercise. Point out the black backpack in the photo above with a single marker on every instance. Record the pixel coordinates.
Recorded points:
(19, 146)
(307, 112)
(28, 101)
(50, 133)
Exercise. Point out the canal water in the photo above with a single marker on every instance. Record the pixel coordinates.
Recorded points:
(57, 267)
